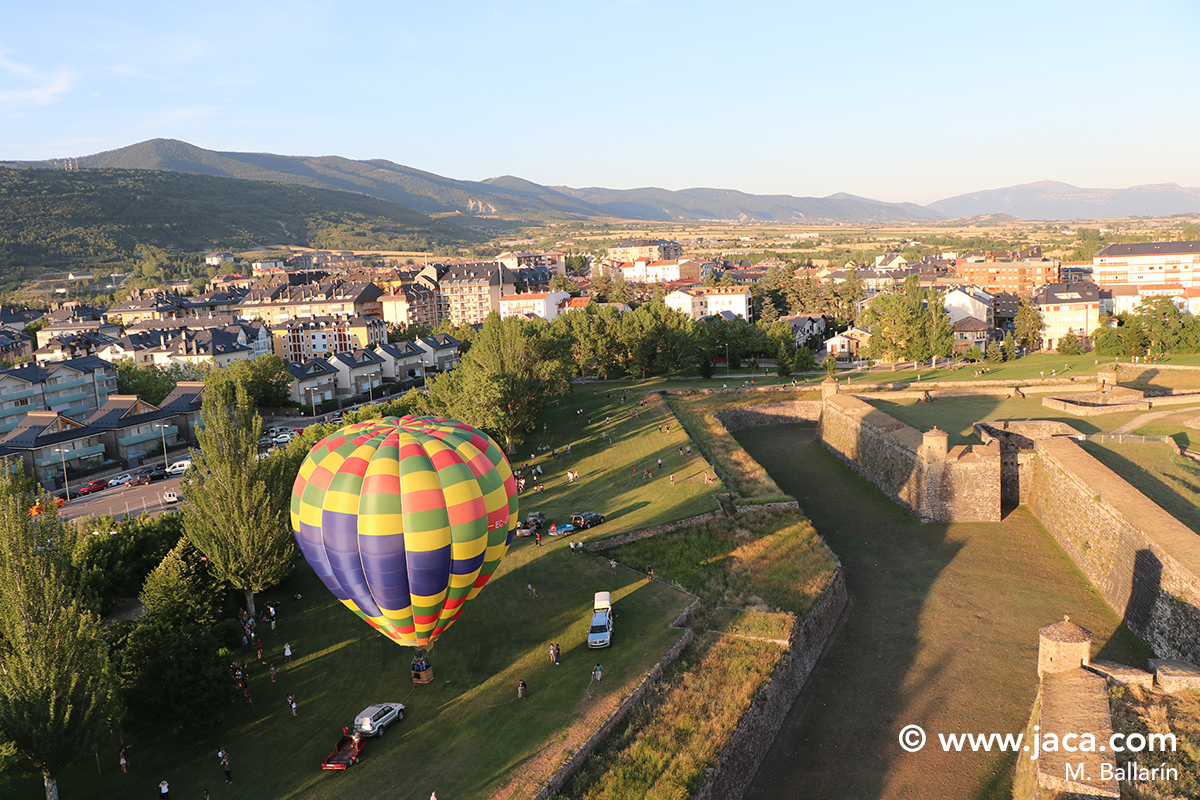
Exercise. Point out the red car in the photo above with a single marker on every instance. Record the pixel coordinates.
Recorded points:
(93, 486)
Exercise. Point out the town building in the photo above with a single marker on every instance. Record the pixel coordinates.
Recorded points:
(49, 442)
(358, 372)
(67, 346)
(649, 271)
(149, 304)
(132, 429)
(970, 301)
(848, 344)
(649, 249)
(1068, 307)
(76, 387)
(474, 290)
(554, 261)
(15, 319)
(411, 304)
(970, 332)
(313, 381)
(277, 302)
(804, 326)
(547, 305)
(1021, 278)
(401, 361)
(1152, 262)
(441, 352)
(185, 402)
(705, 301)
(320, 337)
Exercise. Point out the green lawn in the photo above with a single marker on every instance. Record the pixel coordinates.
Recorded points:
(957, 416)
(465, 735)
(1171, 481)
(462, 734)
(607, 483)
(1174, 425)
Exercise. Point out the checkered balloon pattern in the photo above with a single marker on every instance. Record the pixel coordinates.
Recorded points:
(405, 519)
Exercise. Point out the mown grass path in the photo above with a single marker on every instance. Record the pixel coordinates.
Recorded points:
(941, 632)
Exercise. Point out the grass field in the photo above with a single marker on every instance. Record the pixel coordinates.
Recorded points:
(1171, 481)
(1174, 425)
(957, 416)
(1136, 710)
(466, 731)
(941, 632)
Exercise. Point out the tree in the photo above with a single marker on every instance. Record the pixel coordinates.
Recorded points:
(830, 364)
(235, 509)
(769, 312)
(1069, 344)
(151, 382)
(1029, 325)
(56, 684)
(995, 354)
(1010, 347)
(175, 655)
(513, 368)
(974, 353)
(561, 283)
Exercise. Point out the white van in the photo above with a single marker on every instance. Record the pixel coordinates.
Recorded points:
(179, 467)
(600, 631)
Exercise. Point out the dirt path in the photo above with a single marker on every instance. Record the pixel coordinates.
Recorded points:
(941, 633)
(1142, 419)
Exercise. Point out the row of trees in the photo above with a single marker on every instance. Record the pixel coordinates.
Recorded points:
(1158, 326)
(266, 378)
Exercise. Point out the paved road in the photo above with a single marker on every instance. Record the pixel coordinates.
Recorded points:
(120, 500)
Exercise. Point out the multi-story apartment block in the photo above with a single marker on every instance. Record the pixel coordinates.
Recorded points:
(411, 304)
(1021, 278)
(441, 352)
(547, 305)
(211, 346)
(49, 441)
(401, 361)
(276, 303)
(1153, 262)
(549, 259)
(149, 304)
(648, 271)
(132, 429)
(77, 387)
(15, 319)
(474, 290)
(705, 301)
(650, 249)
(72, 345)
(1068, 307)
(318, 337)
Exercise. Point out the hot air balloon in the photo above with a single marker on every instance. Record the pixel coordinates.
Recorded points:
(405, 519)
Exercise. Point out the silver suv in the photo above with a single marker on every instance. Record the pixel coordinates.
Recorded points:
(374, 720)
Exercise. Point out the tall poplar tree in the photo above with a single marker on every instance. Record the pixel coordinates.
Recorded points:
(235, 511)
(54, 677)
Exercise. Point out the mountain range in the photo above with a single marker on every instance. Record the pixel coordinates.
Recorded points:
(513, 197)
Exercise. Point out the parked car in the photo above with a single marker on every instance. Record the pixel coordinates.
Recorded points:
(374, 720)
(586, 520)
(141, 479)
(282, 438)
(562, 530)
(600, 631)
(179, 467)
(121, 480)
(93, 486)
(535, 520)
(158, 474)
(170, 496)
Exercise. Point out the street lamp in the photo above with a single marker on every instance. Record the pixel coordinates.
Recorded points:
(163, 427)
(66, 485)
(312, 398)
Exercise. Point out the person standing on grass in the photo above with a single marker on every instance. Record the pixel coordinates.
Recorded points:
(287, 652)
(672, 478)
(164, 791)
(124, 756)
(225, 766)
(551, 653)
(612, 565)
(557, 654)
(522, 690)
(598, 672)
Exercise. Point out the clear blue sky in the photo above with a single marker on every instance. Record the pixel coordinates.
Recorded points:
(897, 101)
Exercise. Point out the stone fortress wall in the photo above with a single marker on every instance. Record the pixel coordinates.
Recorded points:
(1143, 561)
(934, 482)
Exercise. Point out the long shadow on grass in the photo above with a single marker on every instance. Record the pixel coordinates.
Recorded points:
(838, 741)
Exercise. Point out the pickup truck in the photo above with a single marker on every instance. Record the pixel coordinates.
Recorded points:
(346, 754)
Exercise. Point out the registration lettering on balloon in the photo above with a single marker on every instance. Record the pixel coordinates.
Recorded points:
(405, 520)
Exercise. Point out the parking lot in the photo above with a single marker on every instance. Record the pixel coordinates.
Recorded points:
(121, 500)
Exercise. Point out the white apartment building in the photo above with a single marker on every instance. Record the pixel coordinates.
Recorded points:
(705, 301)
(547, 305)
(1068, 307)
(1150, 262)
(970, 301)
(645, 270)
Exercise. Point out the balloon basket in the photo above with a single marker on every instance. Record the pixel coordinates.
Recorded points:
(423, 676)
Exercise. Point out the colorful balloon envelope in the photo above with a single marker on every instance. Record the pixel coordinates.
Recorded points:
(405, 520)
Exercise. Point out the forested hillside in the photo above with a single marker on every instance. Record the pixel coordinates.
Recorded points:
(57, 219)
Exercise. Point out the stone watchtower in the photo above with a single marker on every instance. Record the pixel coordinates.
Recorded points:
(829, 387)
(1063, 646)
(935, 445)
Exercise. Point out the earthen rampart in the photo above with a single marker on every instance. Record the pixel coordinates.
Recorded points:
(1143, 561)
(739, 419)
(741, 758)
